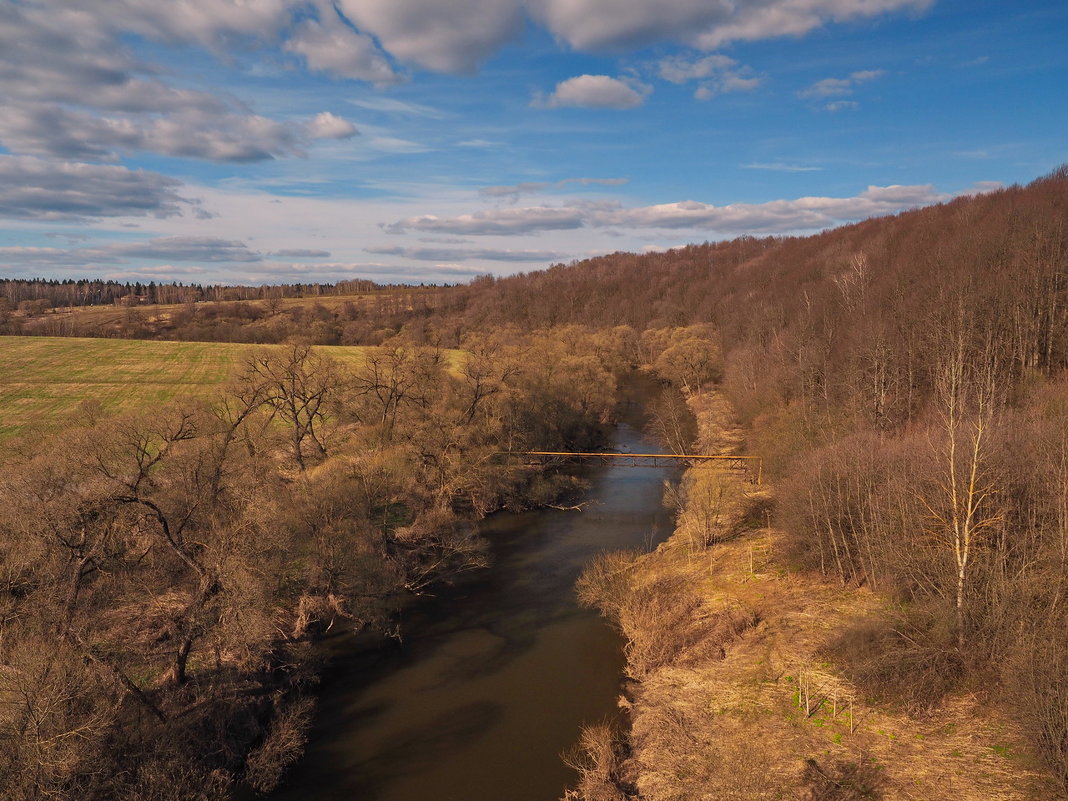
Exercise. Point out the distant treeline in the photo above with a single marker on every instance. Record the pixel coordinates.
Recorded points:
(370, 318)
(95, 292)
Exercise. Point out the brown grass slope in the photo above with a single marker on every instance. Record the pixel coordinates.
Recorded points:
(734, 695)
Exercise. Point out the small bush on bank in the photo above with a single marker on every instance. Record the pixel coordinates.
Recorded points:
(599, 760)
(1036, 679)
(283, 745)
(910, 659)
(843, 781)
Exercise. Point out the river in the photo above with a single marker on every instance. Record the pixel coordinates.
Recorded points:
(494, 678)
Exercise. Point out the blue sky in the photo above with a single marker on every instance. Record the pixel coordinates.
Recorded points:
(264, 141)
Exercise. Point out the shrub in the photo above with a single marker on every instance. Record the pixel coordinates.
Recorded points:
(909, 659)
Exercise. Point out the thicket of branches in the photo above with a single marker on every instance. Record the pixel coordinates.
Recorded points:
(162, 575)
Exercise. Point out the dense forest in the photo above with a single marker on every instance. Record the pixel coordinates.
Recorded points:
(903, 379)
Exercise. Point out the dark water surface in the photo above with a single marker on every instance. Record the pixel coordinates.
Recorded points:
(495, 678)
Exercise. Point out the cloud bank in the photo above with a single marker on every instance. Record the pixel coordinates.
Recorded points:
(462, 254)
(71, 88)
(777, 216)
(39, 189)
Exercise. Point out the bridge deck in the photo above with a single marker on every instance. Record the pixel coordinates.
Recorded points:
(750, 465)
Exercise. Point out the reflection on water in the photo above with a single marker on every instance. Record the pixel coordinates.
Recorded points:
(493, 681)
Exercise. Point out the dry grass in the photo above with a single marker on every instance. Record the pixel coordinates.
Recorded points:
(762, 715)
(44, 381)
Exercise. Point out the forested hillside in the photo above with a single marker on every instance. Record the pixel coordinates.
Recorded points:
(905, 381)
(756, 290)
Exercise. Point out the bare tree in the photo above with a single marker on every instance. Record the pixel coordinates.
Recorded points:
(296, 385)
(964, 509)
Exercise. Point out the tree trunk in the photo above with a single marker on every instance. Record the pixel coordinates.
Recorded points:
(177, 674)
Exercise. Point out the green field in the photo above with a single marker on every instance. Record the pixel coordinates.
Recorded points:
(43, 380)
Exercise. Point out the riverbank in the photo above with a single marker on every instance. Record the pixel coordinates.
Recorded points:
(732, 692)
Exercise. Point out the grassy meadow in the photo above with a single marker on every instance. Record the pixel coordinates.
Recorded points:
(44, 380)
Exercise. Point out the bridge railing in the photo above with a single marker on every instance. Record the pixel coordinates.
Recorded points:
(752, 466)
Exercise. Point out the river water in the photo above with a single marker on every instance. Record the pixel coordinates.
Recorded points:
(494, 678)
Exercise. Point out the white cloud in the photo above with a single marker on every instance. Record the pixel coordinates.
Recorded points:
(393, 106)
(171, 248)
(839, 87)
(217, 24)
(498, 221)
(716, 73)
(593, 91)
(462, 254)
(394, 144)
(337, 49)
(479, 143)
(53, 130)
(515, 191)
(71, 258)
(982, 187)
(779, 167)
(841, 105)
(454, 37)
(329, 126)
(300, 253)
(183, 248)
(341, 271)
(679, 69)
(178, 248)
(459, 35)
(36, 189)
(70, 87)
(164, 272)
(624, 24)
(77, 44)
(766, 19)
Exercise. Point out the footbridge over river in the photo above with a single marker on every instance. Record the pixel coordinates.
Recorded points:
(751, 466)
